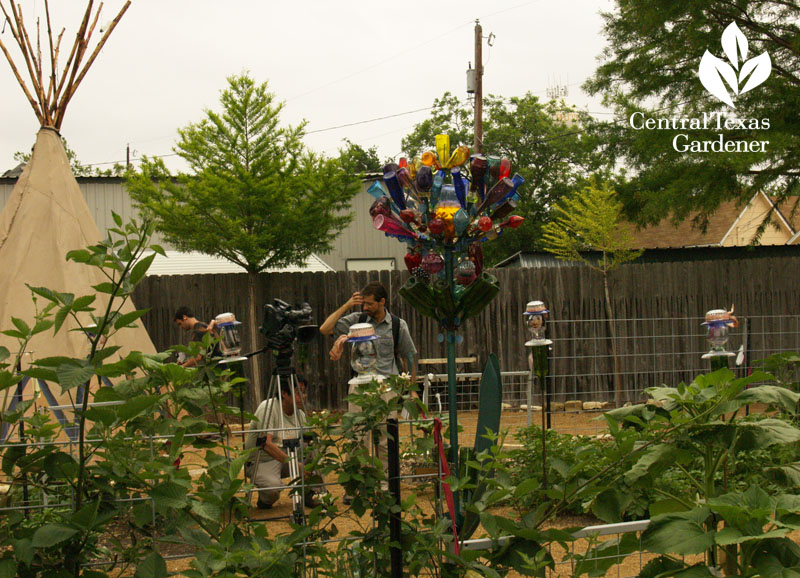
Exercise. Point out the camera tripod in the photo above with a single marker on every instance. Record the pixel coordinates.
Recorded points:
(284, 377)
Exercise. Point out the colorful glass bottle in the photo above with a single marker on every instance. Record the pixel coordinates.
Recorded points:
(438, 181)
(460, 185)
(477, 170)
(395, 190)
(407, 183)
(446, 208)
(503, 209)
(443, 149)
(496, 193)
(505, 169)
(429, 160)
(493, 172)
(458, 158)
(460, 221)
(424, 180)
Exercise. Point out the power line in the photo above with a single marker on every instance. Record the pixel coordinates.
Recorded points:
(369, 120)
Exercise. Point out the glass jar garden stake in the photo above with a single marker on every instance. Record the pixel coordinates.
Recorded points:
(363, 354)
(536, 314)
(718, 324)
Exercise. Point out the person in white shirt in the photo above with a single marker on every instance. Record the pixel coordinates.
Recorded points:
(277, 419)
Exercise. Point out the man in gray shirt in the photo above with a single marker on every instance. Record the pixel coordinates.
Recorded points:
(372, 300)
(395, 349)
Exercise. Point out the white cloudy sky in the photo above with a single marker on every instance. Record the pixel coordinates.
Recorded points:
(332, 62)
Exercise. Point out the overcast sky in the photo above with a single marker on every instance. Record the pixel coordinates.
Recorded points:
(332, 62)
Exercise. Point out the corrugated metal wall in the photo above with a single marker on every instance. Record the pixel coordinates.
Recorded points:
(360, 240)
(103, 195)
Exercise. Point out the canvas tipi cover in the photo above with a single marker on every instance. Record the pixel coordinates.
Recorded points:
(45, 217)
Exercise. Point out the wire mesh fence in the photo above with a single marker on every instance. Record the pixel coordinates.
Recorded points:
(651, 352)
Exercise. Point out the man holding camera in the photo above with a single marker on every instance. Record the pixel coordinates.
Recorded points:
(278, 425)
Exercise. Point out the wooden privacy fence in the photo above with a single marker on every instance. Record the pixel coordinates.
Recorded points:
(659, 307)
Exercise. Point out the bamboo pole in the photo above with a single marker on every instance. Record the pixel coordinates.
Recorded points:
(50, 102)
(30, 56)
(34, 104)
(97, 49)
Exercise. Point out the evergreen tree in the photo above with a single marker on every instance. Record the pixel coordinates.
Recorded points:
(255, 195)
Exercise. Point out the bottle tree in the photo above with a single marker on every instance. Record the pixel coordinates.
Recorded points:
(446, 204)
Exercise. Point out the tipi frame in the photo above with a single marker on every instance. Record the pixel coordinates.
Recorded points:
(49, 98)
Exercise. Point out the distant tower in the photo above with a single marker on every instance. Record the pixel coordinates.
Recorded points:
(557, 89)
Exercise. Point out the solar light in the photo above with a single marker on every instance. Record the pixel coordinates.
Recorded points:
(536, 314)
(718, 323)
(363, 354)
(229, 344)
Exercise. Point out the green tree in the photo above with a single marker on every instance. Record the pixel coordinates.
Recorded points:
(548, 144)
(255, 196)
(590, 220)
(356, 160)
(651, 67)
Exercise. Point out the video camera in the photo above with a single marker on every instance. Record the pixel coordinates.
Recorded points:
(282, 325)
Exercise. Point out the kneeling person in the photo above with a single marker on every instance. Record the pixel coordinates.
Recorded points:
(279, 423)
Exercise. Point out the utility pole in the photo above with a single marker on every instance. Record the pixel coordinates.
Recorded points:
(478, 124)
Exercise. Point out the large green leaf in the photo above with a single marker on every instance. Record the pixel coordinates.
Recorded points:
(153, 566)
(41, 373)
(8, 568)
(60, 465)
(170, 495)
(610, 504)
(21, 326)
(105, 353)
(730, 535)
(70, 376)
(738, 507)
(56, 361)
(207, 510)
(787, 476)
(52, 534)
(82, 303)
(657, 455)
(139, 270)
(86, 516)
(765, 433)
(127, 319)
(680, 533)
(136, 406)
(774, 395)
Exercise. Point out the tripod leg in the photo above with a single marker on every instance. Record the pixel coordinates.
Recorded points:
(298, 513)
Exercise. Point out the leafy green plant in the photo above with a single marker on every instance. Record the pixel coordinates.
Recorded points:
(700, 423)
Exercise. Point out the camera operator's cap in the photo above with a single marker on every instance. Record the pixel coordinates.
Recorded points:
(535, 308)
(361, 332)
